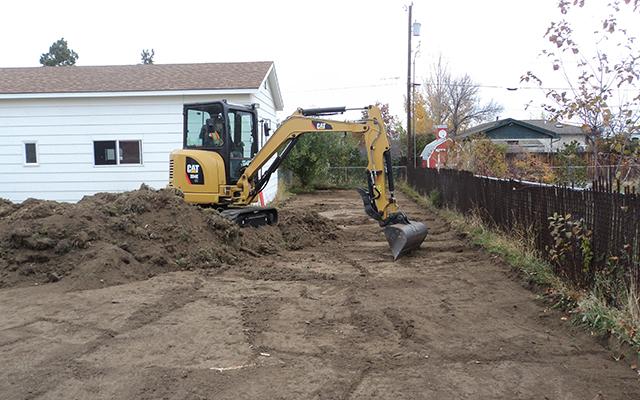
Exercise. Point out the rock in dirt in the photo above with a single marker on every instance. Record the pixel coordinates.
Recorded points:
(110, 238)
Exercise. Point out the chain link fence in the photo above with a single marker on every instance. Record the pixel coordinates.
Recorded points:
(340, 177)
(583, 176)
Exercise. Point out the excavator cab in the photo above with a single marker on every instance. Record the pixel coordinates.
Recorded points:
(228, 130)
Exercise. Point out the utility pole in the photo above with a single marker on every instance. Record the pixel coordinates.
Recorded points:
(410, 151)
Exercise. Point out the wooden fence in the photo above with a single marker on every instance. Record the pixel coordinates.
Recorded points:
(609, 244)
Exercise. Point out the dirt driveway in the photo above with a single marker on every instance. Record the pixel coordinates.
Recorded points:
(336, 321)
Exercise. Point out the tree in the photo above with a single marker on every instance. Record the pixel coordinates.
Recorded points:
(455, 101)
(480, 156)
(572, 167)
(530, 167)
(436, 93)
(423, 121)
(147, 56)
(59, 55)
(596, 77)
(313, 154)
(465, 107)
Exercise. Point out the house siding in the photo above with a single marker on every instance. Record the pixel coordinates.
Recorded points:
(64, 130)
(515, 132)
(567, 139)
(521, 138)
(267, 111)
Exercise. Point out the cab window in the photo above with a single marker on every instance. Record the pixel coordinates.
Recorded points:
(240, 124)
(241, 132)
(205, 127)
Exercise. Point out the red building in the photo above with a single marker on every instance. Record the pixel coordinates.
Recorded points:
(434, 154)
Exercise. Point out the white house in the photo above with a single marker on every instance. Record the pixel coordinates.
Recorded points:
(53, 118)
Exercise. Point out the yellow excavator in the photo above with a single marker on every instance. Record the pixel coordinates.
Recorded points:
(221, 164)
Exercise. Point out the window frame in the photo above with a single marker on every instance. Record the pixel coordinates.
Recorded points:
(119, 156)
(117, 164)
(24, 153)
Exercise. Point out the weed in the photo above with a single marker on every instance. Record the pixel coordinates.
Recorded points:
(596, 309)
(571, 251)
(283, 194)
(435, 198)
(633, 299)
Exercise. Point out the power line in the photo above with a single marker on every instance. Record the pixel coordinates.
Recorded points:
(481, 86)
(346, 88)
(515, 88)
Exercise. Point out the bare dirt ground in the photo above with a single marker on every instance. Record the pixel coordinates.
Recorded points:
(331, 320)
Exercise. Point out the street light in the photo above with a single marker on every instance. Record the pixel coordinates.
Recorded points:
(413, 30)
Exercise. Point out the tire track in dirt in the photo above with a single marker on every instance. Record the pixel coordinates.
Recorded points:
(255, 314)
(339, 320)
(65, 364)
(174, 299)
(459, 273)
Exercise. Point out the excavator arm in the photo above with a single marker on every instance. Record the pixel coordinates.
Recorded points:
(378, 198)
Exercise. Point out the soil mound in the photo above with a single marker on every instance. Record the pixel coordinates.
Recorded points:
(109, 238)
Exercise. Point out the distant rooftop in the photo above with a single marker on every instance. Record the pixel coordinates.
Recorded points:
(547, 127)
(127, 78)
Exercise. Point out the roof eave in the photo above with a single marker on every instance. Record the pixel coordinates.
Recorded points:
(506, 122)
(544, 131)
(272, 78)
(183, 92)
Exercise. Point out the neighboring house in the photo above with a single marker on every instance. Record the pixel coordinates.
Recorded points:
(534, 136)
(52, 120)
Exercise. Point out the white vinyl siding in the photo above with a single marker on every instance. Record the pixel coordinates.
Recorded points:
(267, 111)
(65, 129)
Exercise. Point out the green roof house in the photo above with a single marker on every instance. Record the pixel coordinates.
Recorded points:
(532, 136)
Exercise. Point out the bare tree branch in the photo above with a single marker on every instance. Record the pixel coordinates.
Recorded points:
(455, 101)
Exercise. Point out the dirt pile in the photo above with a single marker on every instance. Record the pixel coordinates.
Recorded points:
(109, 238)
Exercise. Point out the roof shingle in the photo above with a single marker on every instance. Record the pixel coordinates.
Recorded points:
(127, 78)
(554, 129)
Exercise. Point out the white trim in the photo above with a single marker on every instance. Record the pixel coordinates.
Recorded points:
(117, 164)
(8, 96)
(272, 78)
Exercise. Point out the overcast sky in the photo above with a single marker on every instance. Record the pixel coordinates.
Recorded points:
(327, 53)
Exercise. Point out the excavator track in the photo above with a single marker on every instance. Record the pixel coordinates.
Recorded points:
(252, 216)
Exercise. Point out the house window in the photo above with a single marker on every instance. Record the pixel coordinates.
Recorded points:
(115, 152)
(513, 142)
(30, 153)
(129, 152)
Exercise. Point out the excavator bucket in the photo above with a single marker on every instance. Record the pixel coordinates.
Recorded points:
(405, 237)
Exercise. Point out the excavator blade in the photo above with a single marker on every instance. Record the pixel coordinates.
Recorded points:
(405, 237)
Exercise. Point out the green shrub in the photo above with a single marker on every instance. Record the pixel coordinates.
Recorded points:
(436, 198)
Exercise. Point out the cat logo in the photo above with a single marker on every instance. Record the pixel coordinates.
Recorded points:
(323, 126)
(194, 173)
